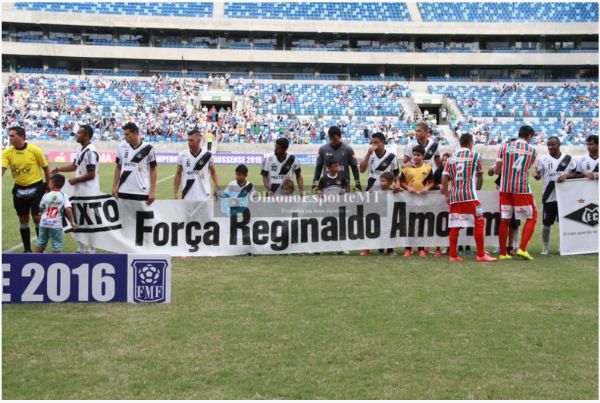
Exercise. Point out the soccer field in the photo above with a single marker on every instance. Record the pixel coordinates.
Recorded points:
(308, 326)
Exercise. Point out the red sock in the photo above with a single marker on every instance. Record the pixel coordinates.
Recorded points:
(503, 235)
(479, 235)
(528, 230)
(453, 241)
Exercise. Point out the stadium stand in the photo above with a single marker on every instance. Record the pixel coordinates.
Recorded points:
(163, 107)
(495, 132)
(337, 11)
(523, 101)
(493, 12)
(164, 9)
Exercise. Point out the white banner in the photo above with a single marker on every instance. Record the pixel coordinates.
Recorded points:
(578, 215)
(273, 225)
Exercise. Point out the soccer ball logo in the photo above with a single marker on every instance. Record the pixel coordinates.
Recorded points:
(149, 274)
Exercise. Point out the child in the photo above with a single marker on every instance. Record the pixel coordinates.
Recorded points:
(239, 187)
(417, 178)
(332, 182)
(386, 181)
(54, 205)
(287, 187)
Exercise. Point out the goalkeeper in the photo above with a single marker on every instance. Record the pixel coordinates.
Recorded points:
(340, 152)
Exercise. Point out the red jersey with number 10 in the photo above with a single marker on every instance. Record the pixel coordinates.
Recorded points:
(517, 157)
(461, 169)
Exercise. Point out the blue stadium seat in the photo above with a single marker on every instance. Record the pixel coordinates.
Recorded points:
(165, 9)
(494, 12)
(337, 11)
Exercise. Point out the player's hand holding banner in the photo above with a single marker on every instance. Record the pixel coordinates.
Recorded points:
(578, 212)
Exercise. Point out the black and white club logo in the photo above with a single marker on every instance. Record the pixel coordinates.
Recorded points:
(587, 215)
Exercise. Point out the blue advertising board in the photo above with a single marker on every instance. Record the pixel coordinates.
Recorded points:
(136, 278)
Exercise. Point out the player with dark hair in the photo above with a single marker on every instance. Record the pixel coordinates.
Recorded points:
(587, 166)
(26, 161)
(343, 153)
(196, 167)
(464, 211)
(378, 160)
(514, 160)
(279, 166)
(135, 173)
(87, 165)
(552, 167)
(423, 138)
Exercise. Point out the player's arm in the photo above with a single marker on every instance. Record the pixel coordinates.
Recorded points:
(445, 181)
(266, 182)
(70, 216)
(46, 170)
(300, 181)
(177, 181)
(66, 168)
(355, 172)
(320, 187)
(498, 167)
(4, 162)
(364, 164)
(116, 177)
(89, 175)
(215, 179)
(153, 176)
(406, 159)
(318, 170)
(499, 161)
(478, 180)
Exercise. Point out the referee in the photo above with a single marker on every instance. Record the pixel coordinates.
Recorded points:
(25, 161)
(340, 152)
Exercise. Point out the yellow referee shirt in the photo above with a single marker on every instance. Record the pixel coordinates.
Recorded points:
(24, 164)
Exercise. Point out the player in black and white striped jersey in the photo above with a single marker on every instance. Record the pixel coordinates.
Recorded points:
(280, 166)
(378, 160)
(195, 167)
(135, 173)
(423, 138)
(87, 165)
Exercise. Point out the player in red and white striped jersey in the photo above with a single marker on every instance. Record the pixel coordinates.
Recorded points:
(514, 160)
(465, 211)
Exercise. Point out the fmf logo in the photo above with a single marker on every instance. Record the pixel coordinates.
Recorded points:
(149, 280)
(587, 215)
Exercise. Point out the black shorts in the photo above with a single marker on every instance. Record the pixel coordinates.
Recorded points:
(549, 213)
(26, 199)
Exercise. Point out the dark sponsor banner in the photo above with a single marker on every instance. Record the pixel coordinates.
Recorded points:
(86, 278)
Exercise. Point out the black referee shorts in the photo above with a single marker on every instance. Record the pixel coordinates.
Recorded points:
(26, 199)
(549, 213)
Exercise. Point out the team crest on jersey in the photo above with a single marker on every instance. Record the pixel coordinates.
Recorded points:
(587, 215)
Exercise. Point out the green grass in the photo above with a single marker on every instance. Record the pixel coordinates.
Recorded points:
(336, 327)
